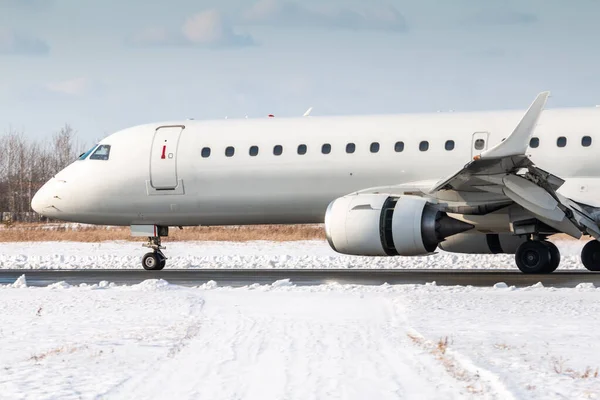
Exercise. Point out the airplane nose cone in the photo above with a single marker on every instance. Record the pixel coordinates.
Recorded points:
(41, 200)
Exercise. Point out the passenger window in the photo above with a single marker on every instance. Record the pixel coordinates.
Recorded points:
(479, 144)
(326, 148)
(586, 141)
(399, 147)
(350, 148)
(302, 149)
(253, 151)
(534, 142)
(561, 141)
(206, 152)
(101, 153)
(229, 151)
(449, 145)
(424, 145)
(374, 147)
(278, 150)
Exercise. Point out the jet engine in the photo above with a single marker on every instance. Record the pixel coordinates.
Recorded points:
(383, 225)
(480, 243)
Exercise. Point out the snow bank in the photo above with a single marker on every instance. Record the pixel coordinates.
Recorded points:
(152, 285)
(21, 282)
(258, 254)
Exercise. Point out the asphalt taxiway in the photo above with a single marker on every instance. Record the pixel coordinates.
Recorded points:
(302, 277)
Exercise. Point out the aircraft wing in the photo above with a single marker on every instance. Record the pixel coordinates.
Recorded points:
(507, 171)
(505, 157)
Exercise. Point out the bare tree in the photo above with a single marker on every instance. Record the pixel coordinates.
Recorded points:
(25, 165)
(65, 147)
(14, 142)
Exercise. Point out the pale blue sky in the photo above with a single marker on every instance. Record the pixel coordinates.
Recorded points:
(106, 65)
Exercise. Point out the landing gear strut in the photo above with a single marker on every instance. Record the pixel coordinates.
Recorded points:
(590, 255)
(156, 260)
(537, 257)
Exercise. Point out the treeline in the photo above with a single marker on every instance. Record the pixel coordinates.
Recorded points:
(25, 165)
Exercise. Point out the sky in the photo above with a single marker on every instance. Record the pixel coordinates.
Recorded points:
(101, 66)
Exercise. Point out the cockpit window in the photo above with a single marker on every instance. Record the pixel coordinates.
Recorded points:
(101, 153)
(87, 153)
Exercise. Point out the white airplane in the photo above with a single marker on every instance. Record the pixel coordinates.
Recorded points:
(384, 185)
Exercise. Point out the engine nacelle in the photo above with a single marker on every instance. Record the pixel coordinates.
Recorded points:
(380, 225)
(481, 243)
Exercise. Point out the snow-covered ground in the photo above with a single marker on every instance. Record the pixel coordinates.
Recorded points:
(257, 254)
(158, 341)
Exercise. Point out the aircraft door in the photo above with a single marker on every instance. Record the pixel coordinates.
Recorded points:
(479, 143)
(163, 157)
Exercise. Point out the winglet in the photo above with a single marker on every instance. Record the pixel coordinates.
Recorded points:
(518, 141)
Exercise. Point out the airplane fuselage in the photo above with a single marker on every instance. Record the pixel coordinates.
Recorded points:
(287, 170)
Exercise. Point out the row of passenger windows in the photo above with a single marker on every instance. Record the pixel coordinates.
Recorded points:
(449, 145)
(586, 141)
(326, 148)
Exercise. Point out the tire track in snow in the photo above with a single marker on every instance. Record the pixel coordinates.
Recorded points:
(280, 345)
(477, 380)
(144, 372)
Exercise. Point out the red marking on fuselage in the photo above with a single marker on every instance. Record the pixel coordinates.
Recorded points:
(163, 153)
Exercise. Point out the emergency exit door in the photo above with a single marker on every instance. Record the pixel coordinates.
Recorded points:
(163, 161)
(479, 144)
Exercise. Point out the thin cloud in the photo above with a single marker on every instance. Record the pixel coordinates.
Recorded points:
(29, 4)
(156, 36)
(291, 14)
(500, 17)
(205, 29)
(16, 43)
(72, 87)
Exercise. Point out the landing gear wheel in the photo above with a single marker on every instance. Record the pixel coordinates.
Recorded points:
(153, 261)
(554, 257)
(590, 256)
(163, 260)
(534, 257)
(156, 260)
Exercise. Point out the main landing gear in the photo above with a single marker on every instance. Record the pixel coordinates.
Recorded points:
(590, 255)
(543, 257)
(538, 257)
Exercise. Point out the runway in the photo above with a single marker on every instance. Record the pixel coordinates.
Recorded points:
(302, 277)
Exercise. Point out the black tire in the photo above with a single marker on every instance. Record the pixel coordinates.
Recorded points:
(152, 262)
(590, 256)
(163, 261)
(554, 257)
(533, 257)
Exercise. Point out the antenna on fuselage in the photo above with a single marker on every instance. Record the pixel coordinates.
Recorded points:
(307, 113)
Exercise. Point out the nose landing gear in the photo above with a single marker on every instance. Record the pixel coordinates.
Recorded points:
(156, 260)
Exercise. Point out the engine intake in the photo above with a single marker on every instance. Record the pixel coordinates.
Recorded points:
(380, 225)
